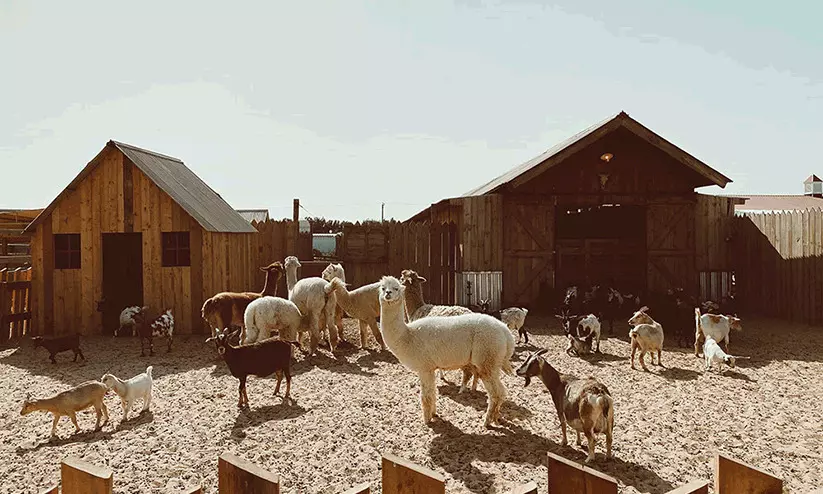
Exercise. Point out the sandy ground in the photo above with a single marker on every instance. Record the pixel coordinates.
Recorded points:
(668, 423)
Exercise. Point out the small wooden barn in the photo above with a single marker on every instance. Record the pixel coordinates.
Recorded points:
(613, 204)
(135, 227)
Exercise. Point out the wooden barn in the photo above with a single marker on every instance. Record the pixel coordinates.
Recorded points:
(135, 227)
(613, 204)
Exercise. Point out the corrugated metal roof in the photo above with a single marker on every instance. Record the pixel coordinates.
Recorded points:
(254, 214)
(776, 202)
(174, 178)
(613, 122)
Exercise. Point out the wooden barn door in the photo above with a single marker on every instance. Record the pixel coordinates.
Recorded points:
(122, 275)
(670, 244)
(443, 259)
(528, 248)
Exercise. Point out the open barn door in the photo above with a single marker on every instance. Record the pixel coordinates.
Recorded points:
(528, 249)
(670, 245)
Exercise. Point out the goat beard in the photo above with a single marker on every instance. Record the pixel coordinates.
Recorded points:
(528, 381)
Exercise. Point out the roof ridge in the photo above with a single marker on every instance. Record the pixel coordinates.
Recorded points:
(144, 150)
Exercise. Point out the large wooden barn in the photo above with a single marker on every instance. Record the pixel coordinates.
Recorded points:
(613, 204)
(135, 227)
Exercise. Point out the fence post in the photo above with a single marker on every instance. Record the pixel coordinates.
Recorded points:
(79, 477)
(400, 476)
(4, 310)
(238, 476)
(733, 477)
(568, 476)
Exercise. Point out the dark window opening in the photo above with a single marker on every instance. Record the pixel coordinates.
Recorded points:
(605, 221)
(67, 251)
(176, 249)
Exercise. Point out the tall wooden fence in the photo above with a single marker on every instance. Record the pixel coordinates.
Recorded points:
(15, 299)
(779, 264)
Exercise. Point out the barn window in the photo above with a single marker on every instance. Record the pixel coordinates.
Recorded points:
(67, 251)
(176, 249)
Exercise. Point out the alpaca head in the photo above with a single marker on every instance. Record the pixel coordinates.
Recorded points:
(291, 262)
(275, 268)
(391, 291)
(334, 271)
(409, 278)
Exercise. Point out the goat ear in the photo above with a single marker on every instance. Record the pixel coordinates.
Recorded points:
(644, 308)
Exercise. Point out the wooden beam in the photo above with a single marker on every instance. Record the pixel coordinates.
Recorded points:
(568, 476)
(80, 477)
(363, 488)
(238, 476)
(735, 477)
(404, 477)
(530, 488)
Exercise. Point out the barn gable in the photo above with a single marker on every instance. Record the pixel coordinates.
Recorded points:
(520, 175)
(174, 178)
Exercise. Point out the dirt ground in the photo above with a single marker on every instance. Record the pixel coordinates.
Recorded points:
(669, 422)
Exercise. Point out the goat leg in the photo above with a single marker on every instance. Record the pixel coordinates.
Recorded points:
(590, 437)
(240, 392)
(151, 345)
(171, 338)
(279, 378)
(659, 353)
(53, 360)
(73, 417)
(81, 353)
(54, 424)
(288, 387)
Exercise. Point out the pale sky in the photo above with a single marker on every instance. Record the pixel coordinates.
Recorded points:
(348, 104)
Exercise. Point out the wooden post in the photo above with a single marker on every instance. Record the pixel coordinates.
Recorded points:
(566, 476)
(295, 216)
(363, 488)
(5, 299)
(238, 476)
(733, 477)
(404, 477)
(693, 487)
(530, 488)
(79, 477)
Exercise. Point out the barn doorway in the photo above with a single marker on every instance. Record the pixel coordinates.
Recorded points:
(122, 275)
(603, 244)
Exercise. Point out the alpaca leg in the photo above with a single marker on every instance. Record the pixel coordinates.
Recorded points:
(314, 332)
(99, 414)
(375, 330)
(364, 335)
(338, 320)
(334, 338)
(428, 395)
(467, 374)
(497, 394)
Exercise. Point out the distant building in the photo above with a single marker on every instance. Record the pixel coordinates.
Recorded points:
(812, 198)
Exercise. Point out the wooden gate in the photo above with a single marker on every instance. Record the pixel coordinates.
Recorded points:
(528, 249)
(670, 246)
(444, 259)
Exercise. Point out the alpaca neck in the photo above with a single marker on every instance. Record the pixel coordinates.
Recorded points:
(414, 298)
(392, 324)
(270, 285)
(343, 298)
(291, 278)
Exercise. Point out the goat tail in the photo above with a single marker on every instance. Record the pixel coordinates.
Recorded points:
(633, 332)
(148, 371)
(604, 403)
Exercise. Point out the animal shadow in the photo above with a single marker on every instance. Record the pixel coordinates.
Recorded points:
(678, 374)
(479, 401)
(135, 421)
(84, 436)
(251, 417)
(369, 360)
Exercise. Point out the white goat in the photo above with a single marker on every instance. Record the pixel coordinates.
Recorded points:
(316, 302)
(471, 340)
(718, 327)
(590, 325)
(647, 335)
(715, 355)
(127, 320)
(129, 391)
(268, 314)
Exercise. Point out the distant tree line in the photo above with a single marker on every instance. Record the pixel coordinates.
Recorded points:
(323, 225)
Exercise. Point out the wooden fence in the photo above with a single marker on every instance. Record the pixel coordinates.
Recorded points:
(779, 264)
(15, 299)
(400, 476)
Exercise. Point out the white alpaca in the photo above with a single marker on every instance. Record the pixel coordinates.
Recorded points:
(267, 314)
(129, 391)
(363, 304)
(316, 302)
(329, 273)
(471, 340)
(417, 308)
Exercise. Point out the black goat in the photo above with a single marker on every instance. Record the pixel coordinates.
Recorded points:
(60, 344)
(260, 359)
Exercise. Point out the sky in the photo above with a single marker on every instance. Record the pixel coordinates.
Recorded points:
(347, 105)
